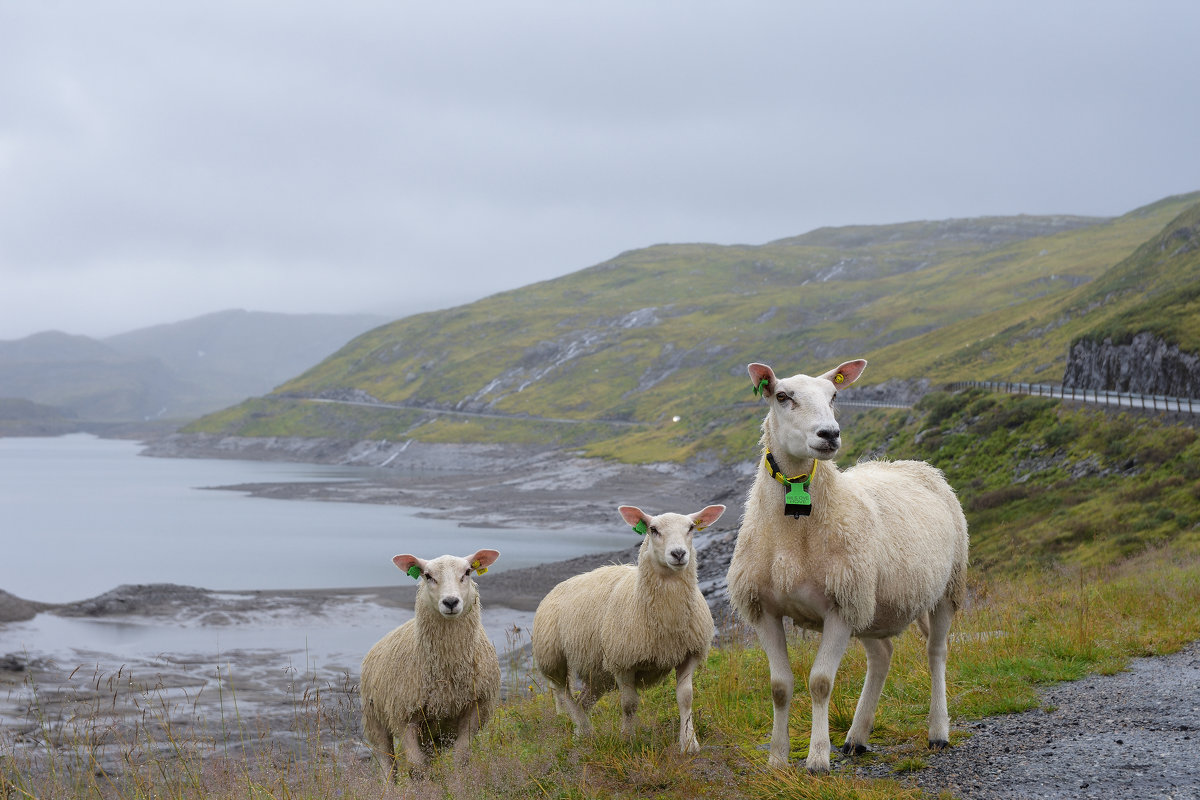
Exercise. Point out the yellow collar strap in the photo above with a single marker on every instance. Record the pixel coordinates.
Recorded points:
(777, 474)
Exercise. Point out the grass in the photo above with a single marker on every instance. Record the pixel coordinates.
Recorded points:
(1020, 632)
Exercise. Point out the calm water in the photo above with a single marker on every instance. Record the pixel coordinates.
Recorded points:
(80, 515)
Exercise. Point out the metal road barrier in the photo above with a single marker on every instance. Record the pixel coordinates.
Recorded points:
(1149, 402)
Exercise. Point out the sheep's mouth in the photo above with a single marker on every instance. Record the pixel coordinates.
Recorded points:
(825, 449)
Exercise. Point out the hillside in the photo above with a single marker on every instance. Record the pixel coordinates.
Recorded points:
(606, 357)
(175, 371)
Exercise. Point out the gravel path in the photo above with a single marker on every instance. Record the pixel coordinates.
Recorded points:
(1135, 734)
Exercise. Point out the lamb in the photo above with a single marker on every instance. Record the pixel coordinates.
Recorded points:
(858, 553)
(437, 676)
(628, 626)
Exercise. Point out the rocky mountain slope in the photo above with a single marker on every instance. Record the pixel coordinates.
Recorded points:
(642, 358)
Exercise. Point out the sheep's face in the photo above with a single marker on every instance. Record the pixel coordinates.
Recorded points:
(669, 536)
(446, 583)
(800, 419)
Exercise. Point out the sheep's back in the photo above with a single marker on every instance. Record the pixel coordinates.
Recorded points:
(567, 623)
(915, 529)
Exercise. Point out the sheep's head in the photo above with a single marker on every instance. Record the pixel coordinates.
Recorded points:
(800, 423)
(669, 536)
(446, 583)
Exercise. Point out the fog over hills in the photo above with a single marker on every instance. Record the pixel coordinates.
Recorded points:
(176, 371)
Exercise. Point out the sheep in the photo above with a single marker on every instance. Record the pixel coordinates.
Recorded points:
(627, 626)
(858, 553)
(436, 676)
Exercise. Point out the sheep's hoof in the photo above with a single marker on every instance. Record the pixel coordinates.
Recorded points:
(776, 762)
(938, 744)
(854, 749)
(817, 765)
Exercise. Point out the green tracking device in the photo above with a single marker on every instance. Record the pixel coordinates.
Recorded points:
(414, 572)
(640, 528)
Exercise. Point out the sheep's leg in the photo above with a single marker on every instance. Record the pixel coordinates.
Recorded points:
(410, 740)
(468, 726)
(834, 638)
(382, 743)
(683, 696)
(627, 684)
(773, 641)
(935, 650)
(879, 660)
(564, 701)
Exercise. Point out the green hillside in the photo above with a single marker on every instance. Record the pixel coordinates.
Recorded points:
(606, 357)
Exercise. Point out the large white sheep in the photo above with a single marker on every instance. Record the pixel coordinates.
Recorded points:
(437, 676)
(858, 553)
(628, 626)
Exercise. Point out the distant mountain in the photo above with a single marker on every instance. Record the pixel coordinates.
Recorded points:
(176, 371)
(235, 354)
(86, 377)
(608, 357)
(26, 418)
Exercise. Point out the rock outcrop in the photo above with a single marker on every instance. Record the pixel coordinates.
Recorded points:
(1146, 365)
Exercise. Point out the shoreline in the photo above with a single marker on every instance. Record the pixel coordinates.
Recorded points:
(478, 486)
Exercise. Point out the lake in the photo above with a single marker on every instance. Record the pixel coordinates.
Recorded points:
(81, 515)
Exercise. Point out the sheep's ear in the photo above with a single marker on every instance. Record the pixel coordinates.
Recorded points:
(636, 517)
(763, 379)
(482, 560)
(845, 374)
(410, 564)
(707, 516)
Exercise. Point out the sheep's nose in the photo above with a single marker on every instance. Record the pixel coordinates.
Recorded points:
(679, 554)
(830, 434)
(450, 603)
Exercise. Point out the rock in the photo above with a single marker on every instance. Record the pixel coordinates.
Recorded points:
(1146, 365)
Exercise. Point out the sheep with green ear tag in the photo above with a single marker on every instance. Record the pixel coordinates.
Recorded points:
(435, 678)
(627, 627)
(861, 553)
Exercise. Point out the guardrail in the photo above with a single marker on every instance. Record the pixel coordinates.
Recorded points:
(1149, 402)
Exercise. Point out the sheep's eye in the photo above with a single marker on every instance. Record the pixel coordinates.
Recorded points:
(833, 398)
(654, 530)
(429, 578)
(464, 576)
(781, 397)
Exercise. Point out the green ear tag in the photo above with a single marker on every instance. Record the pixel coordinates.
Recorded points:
(414, 572)
(761, 388)
(640, 528)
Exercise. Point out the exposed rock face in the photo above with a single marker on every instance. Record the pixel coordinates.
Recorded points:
(1147, 365)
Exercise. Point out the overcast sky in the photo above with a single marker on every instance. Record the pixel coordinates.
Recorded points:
(162, 160)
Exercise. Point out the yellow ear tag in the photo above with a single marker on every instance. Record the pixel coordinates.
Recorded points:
(478, 569)
(839, 378)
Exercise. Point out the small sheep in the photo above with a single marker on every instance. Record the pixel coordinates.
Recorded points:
(436, 676)
(858, 553)
(628, 626)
